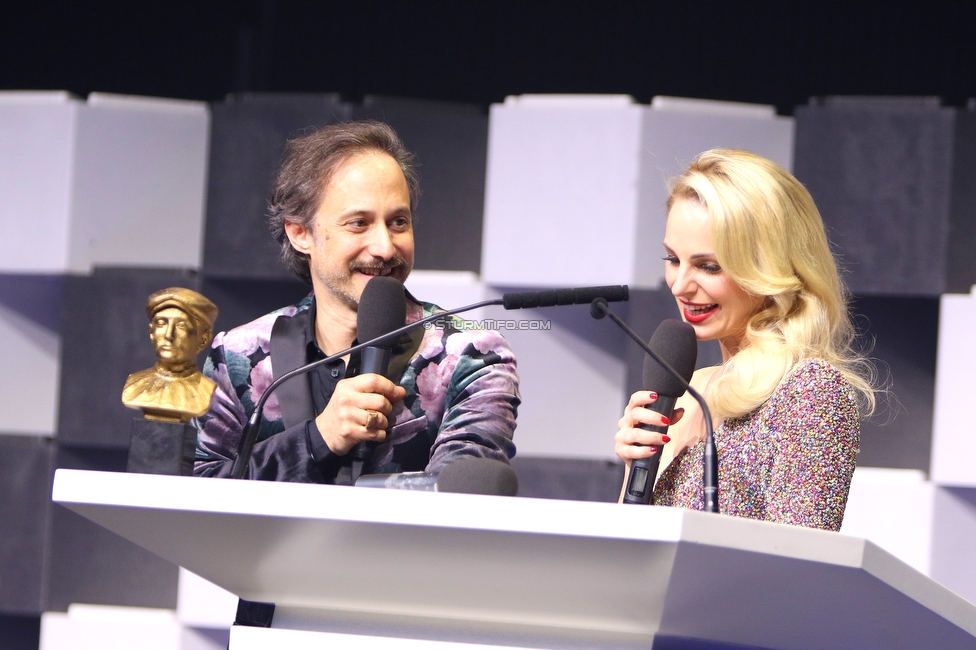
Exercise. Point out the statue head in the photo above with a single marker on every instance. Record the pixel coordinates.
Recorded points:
(180, 326)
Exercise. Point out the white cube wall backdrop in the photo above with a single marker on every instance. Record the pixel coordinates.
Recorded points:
(114, 180)
(575, 196)
(954, 428)
(30, 375)
(575, 192)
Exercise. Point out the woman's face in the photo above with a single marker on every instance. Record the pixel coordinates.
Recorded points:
(709, 300)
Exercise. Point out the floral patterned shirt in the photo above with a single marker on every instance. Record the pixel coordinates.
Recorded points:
(462, 398)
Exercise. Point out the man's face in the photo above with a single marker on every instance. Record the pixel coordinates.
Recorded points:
(362, 228)
(176, 338)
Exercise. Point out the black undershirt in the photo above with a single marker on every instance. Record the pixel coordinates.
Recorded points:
(322, 382)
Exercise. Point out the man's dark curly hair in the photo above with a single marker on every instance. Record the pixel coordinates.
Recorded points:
(309, 164)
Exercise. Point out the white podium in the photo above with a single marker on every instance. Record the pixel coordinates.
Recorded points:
(374, 566)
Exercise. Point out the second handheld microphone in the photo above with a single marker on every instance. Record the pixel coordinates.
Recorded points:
(674, 341)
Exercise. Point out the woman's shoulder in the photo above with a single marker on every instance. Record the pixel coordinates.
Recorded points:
(819, 382)
(815, 372)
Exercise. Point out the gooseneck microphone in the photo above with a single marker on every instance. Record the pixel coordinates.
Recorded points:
(598, 309)
(581, 296)
(465, 475)
(516, 300)
(675, 343)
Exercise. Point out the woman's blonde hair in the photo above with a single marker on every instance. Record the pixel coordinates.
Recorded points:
(769, 238)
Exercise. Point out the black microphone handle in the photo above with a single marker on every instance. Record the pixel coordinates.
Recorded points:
(374, 360)
(643, 471)
(710, 474)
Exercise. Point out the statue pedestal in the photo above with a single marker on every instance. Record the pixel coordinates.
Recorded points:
(157, 447)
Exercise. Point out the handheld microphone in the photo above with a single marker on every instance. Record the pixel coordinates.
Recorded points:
(465, 475)
(599, 309)
(675, 342)
(382, 309)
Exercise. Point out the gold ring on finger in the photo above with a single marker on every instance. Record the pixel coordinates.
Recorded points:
(372, 418)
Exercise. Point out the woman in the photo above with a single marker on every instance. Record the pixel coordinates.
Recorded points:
(748, 263)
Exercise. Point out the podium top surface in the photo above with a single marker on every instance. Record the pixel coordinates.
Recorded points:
(503, 568)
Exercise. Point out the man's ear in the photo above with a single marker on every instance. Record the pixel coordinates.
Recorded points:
(299, 236)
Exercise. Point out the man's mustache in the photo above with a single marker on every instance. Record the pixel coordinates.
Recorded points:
(392, 263)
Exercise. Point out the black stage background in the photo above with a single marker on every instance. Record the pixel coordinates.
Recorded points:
(767, 52)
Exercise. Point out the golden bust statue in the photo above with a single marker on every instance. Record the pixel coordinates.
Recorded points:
(180, 326)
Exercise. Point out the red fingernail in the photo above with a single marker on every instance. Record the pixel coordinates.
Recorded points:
(665, 419)
(653, 450)
(652, 395)
(666, 438)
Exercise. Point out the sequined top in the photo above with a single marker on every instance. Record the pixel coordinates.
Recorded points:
(789, 461)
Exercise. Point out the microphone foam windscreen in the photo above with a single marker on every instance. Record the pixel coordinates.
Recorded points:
(613, 293)
(382, 308)
(478, 476)
(554, 297)
(675, 342)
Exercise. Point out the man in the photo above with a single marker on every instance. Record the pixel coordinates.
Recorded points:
(180, 324)
(342, 210)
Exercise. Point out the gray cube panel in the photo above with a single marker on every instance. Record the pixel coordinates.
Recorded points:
(450, 142)
(961, 267)
(90, 564)
(901, 333)
(26, 465)
(20, 632)
(893, 185)
(248, 136)
(242, 300)
(38, 297)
